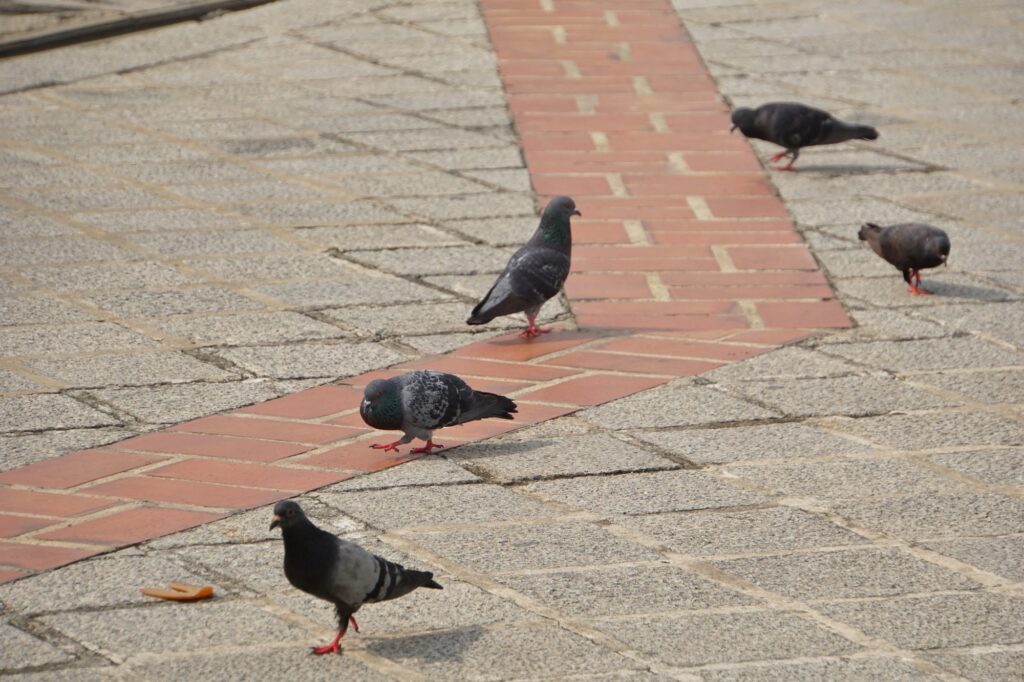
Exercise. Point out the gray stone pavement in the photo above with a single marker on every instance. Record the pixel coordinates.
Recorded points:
(215, 214)
(848, 509)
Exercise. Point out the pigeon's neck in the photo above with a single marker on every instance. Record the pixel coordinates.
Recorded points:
(554, 233)
(385, 412)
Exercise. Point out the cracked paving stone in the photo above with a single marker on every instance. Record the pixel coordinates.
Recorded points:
(690, 406)
(852, 396)
(158, 220)
(52, 250)
(477, 654)
(936, 430)
(645, 493)
(355, 237)
(129, 631)
(727, 637)
(936, 621)
(785, 363)
(18, 311)
(916, 517)
(95, 584)
(744, 443)
(429, 470)
(1002, 555)
(326, 293)
(174, 403)
(135, 275)
(161, 303)
(828, 481)
(18, 649)
(512, 548)
(618, 590)
(212, 243)
(45, 411)
(844, 574)
(530, 454)
(129, 370)
(995, 467)
(434, 260)
(1001, 386)
(436, 505)
(307, 360)
(274, 267)
(267, 663)
(735, 532)
(248, 328)
(453, 208)
(414, 318)
(992, 666)
(25, 449)
(833, 670)
(929, 354)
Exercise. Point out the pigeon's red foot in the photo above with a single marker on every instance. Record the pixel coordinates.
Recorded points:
(386, 447)
(779, 155)
(917, 291)
(787, 167)
(425, 450)
(352, 621)
(533, 331)
(332, 648)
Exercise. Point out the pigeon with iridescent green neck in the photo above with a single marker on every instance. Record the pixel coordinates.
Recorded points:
(417, 403)
(535, 273)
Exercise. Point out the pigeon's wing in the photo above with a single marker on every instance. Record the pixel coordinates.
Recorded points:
(354, 575)
(908, 245)
(431, 400)
(793, 125)
(532, 276)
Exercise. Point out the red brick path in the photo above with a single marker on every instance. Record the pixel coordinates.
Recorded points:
(686, 260)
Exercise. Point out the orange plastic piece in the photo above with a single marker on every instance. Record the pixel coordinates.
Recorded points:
(180, 592)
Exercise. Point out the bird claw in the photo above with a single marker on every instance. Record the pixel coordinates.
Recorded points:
(332, 648)
(917, 291)
(532, 332)
(778, 156)
(353, 623)
(387, 447)
(788, 167)
(424, 450)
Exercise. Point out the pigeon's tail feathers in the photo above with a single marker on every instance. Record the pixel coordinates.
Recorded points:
(420, 579)
(864, 132)
(432, 585)
(479, 315)
(488, 405)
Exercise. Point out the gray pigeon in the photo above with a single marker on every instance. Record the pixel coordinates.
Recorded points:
(535, 273)
(417, 403)
(794, 126)
(339, 571)
(910, 247)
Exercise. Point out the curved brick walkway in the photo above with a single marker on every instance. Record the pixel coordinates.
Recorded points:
(699, 265)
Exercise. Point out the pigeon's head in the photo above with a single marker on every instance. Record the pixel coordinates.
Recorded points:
(561, 207)
(868, 230)
(743, 118)
(286, 514)
(937, 246)
(382, 404)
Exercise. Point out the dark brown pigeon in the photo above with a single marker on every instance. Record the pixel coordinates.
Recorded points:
(910, 247)
(339, 571)
(419, 402)
(535, 273)
(794, 126)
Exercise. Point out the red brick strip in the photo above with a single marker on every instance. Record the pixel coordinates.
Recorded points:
(685, 260)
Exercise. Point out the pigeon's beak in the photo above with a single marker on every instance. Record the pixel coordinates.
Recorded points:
(734, 127)
(276, 522)
(576, 212)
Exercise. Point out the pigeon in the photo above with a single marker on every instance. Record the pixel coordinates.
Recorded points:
(910, 247)
(418, 402)
(535, 273)
(339, 571)
(794, 126)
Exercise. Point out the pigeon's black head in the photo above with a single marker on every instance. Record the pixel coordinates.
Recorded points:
(287, 514)
(743, 118)
(868, 230)
(937, 246)
(562, 207)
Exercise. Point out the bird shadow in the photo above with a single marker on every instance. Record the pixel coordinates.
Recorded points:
(484, 449)
(941, 289)
(433, 647)
(837, 170)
